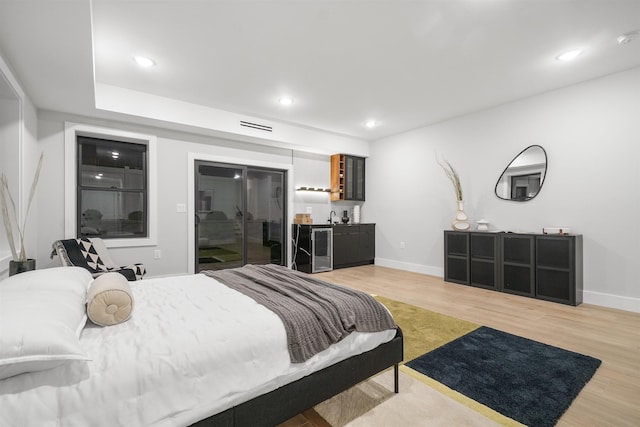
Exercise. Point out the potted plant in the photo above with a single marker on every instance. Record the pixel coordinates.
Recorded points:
(20, 262)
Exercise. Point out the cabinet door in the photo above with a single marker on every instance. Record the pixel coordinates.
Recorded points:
(321, 250)
(518, 264)
(367, 252)
(484, 257)
(345, 245)
(358, 180)
(354, 184)
(302, 247)
(456, 262)
(555, 272)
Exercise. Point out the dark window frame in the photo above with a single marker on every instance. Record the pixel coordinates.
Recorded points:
(144, 191)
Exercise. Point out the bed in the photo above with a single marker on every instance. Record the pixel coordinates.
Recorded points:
(194, 352)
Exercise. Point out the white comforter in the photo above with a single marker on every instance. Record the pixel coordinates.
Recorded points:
(193, 348)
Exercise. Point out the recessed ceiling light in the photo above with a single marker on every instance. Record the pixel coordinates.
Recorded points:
(370, 123)
(569, 55)
(144, 61)
(286, 101)
(628, 37)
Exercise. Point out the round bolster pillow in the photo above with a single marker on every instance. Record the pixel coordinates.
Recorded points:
(109, 300)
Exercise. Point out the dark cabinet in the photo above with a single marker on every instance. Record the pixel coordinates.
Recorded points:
(324, 247)
(313, 248)
(547, 267)
(471, 259)
(354, 245)
(347, 177)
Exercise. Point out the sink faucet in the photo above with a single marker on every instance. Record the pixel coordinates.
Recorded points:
(331, 215)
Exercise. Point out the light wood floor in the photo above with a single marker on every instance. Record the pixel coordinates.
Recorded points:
(611, 398)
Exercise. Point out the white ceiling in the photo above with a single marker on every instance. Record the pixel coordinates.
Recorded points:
(405, 64)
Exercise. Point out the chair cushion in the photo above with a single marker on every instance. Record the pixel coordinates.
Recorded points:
(92, 255)
(80, 253)
(101, 249)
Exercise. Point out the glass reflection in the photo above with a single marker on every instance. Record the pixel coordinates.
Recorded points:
(522, 179)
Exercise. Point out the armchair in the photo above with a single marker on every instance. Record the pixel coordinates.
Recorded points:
(92, 254)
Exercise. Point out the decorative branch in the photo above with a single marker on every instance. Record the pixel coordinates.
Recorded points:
(453, 177)
(6, 194)
(4, 189)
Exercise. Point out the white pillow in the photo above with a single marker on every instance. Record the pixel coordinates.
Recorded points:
(42, 314)
(76, 279)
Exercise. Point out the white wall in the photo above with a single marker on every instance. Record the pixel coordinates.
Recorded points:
(591, 133)
(312, 170)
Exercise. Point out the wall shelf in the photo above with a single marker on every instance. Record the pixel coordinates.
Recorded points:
(315, 189)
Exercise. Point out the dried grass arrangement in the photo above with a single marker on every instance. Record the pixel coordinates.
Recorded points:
(10, 213)
(453, 177)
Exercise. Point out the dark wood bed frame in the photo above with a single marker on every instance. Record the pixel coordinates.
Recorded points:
(294, 398)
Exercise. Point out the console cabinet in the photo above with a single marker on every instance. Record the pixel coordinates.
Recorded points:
(354, 245)
(540, 266)
(324, 247)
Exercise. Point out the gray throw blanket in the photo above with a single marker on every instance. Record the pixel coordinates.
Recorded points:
(315, 313)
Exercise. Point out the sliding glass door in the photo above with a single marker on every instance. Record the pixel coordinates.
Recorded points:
(240, 212)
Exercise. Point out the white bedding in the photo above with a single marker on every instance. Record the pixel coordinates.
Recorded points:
(192, 348)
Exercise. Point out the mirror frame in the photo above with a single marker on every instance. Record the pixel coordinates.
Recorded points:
(542, 178)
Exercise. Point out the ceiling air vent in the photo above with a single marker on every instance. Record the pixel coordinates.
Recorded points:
(256, 126)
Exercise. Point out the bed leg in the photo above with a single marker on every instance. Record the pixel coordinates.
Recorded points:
(396, 387)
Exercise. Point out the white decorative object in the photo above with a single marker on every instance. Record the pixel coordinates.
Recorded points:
(556, 230)
(356, 214)
(483, 225)
(461, 221)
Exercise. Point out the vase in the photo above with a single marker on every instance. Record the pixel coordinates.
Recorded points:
(16, 267)
(461, 220)
(345, 217)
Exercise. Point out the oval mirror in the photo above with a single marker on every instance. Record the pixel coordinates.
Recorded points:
(523, 177)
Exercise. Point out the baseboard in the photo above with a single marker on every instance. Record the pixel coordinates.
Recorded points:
(407, 266)
(611, 301)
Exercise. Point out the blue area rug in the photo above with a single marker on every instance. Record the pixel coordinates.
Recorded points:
(525, 380)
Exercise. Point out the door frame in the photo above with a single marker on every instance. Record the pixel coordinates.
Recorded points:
(191, 224)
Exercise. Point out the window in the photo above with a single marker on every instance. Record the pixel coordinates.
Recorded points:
(112, 189)
(110, 185)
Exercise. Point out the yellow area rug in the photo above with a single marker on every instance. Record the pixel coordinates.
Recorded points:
(425, 330)
(421, 401)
